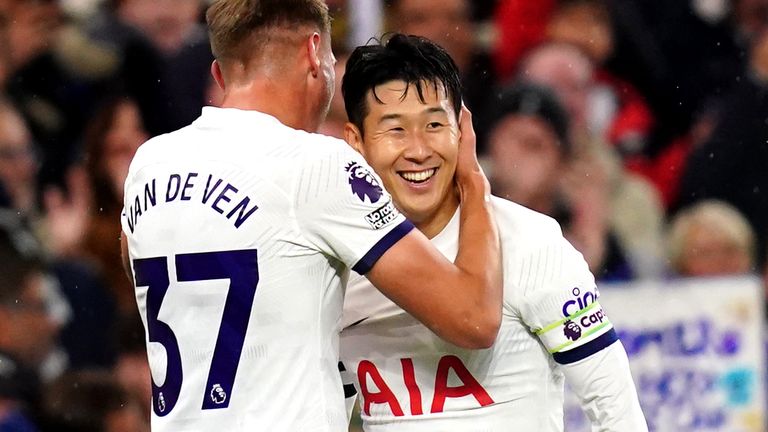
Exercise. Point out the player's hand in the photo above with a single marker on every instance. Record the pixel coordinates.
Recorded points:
(469, 175)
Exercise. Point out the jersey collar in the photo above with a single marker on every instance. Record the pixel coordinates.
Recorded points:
(215, 116)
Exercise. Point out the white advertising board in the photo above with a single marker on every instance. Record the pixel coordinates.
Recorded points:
(697, 353)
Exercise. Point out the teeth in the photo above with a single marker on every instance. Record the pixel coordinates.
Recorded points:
(418, 176)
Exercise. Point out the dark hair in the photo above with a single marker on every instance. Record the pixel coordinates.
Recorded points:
(536, 101)
(232, 22)
(412, 59)
(95, 146)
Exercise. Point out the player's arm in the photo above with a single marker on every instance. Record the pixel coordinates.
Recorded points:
(603, 384)
(461, 301)
(562, 307)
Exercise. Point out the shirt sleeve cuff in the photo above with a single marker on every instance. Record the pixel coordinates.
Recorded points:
(586, 350)
(393, 236)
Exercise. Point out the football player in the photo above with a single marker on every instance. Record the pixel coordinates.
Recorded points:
(403, 99)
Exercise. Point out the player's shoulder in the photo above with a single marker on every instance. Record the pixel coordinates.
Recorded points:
(155, 150)
(522, 225)
(318, 146)
(330, 157)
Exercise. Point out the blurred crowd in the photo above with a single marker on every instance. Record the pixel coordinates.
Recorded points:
(640, 125)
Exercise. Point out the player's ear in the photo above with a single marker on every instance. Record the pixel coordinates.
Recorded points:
(218, 76)
(353, 137)
(313, 46)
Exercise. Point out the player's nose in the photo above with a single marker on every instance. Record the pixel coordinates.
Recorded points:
(418, 148)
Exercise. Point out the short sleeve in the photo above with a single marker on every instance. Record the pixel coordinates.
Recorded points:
(561, 303)
(343, 210)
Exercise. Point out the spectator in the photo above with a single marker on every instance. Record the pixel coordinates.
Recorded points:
(31, 28)
(701, 47)
(29, 328)
(59, 225)
(729, 165)
(83, 226)
(111, 141)
(634, 209)
(55, 78)
(18, 162)
(530, 148)
(568, 72)
(617, 112)
(711, 238)
(173, 28)
(665, 170)
(169, 24)
(139, 65)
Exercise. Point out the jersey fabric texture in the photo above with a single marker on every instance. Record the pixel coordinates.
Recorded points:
(240, 233)
(408, 379)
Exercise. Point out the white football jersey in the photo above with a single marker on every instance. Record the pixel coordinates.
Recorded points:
(240, 233)
(409, 379)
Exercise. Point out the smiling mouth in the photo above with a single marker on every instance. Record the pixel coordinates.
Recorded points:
(418, 176)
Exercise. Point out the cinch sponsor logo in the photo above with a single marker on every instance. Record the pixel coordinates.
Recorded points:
(591, 319)
(382, 216)
(579, 302)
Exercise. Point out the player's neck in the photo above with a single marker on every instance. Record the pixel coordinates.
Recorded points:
(434, 223)
(285, 104)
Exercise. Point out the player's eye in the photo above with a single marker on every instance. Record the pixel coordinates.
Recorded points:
(434, 125)
(397, 129)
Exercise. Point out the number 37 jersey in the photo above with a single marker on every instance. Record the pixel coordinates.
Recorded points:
(240, 234)
(407, 379)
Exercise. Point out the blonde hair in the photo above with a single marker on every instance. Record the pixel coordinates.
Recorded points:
(239, 29)
(713, 215)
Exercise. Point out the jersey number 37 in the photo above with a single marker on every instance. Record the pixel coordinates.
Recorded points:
(241, 268)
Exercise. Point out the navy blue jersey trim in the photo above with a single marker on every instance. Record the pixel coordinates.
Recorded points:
(368, 260)
(584, 351)
(349, 391)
